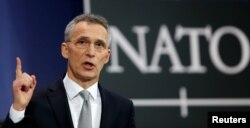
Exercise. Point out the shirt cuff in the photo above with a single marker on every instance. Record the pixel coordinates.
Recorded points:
(16, 116)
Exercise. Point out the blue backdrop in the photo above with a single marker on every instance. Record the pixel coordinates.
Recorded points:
(32, 30)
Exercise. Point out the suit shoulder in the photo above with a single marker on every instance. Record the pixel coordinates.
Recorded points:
(115, 96)
(42, 93)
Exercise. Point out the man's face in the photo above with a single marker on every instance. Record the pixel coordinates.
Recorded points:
(87, 51)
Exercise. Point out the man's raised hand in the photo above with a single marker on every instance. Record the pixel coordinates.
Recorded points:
(23, 87)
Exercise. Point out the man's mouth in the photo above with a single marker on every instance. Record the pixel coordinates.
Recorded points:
(88, 65)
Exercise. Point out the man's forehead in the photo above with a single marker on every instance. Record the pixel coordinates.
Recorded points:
(86, 36)
(83, 28)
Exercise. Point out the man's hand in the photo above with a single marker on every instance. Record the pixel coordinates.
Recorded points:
(23, 87)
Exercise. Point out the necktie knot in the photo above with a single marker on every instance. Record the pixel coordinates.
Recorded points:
(85, 95)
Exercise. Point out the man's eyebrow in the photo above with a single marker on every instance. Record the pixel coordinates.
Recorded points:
(87, 38)
(82, 38)
(100, 40)
(103, 42)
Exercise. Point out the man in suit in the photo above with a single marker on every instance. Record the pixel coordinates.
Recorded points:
(86, 48)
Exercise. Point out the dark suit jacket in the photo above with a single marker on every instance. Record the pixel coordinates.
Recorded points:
(50, 109)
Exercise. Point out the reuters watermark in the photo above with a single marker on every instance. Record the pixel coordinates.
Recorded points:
(228, 120)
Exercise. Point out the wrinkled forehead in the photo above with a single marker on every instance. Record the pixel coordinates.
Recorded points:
(91, 27)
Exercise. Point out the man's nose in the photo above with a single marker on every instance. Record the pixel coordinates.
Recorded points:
(90, 52)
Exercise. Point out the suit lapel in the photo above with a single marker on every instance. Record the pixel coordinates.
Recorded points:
(109, 109)
(58, 100)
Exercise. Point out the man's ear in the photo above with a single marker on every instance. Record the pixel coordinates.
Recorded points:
(64, 50)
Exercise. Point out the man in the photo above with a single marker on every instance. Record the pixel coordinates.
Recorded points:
(86, 48)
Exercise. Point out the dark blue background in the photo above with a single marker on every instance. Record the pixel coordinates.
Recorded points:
(32, 30)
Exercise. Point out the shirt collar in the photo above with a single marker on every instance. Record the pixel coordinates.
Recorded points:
(73, 89)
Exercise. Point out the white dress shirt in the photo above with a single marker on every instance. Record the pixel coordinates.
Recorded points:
(75, 103)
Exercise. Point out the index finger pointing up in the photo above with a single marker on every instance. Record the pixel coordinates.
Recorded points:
(18, 67)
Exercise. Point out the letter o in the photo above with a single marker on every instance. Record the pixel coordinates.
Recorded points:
(214, 50)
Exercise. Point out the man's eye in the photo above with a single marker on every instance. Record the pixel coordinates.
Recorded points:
(81, 42)
(100, 44)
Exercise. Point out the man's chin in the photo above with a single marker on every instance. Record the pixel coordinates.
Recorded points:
(88, 77)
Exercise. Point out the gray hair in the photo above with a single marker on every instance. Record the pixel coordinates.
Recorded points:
(90, 18)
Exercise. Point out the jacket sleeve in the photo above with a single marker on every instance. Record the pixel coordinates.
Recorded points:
(25, 123)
